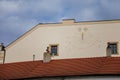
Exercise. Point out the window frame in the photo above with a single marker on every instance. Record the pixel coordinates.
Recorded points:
(117, 47)
(50, 46)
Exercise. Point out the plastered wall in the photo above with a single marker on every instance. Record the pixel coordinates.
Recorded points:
(75, 41)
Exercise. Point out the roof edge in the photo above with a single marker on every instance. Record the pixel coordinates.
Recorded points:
(73, 21)
(41, 61)
(22, 36)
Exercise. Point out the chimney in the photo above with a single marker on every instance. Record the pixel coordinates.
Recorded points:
(2, 53)
(68, 21)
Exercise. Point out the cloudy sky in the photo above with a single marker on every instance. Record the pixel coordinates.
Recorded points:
(18, 16)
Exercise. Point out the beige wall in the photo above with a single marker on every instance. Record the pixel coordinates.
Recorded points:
(69, 37)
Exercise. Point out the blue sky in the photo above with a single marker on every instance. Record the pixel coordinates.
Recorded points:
(18, 16)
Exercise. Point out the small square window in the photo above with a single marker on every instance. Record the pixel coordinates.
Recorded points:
(112, 48)
(54, 50)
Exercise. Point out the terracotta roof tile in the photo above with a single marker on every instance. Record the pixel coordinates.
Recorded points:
(63, 67)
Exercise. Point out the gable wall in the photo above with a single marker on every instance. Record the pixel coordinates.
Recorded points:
(69, 38)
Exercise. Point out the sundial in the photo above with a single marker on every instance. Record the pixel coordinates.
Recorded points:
(82, 39)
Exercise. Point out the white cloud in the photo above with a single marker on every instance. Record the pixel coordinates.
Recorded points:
(7, 7)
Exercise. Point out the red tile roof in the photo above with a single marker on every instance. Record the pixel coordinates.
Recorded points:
(63, 67)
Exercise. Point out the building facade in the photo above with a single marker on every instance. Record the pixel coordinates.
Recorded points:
(68, 39)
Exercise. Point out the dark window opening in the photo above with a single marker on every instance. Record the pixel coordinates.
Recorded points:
(112, 48)
(54, 50)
